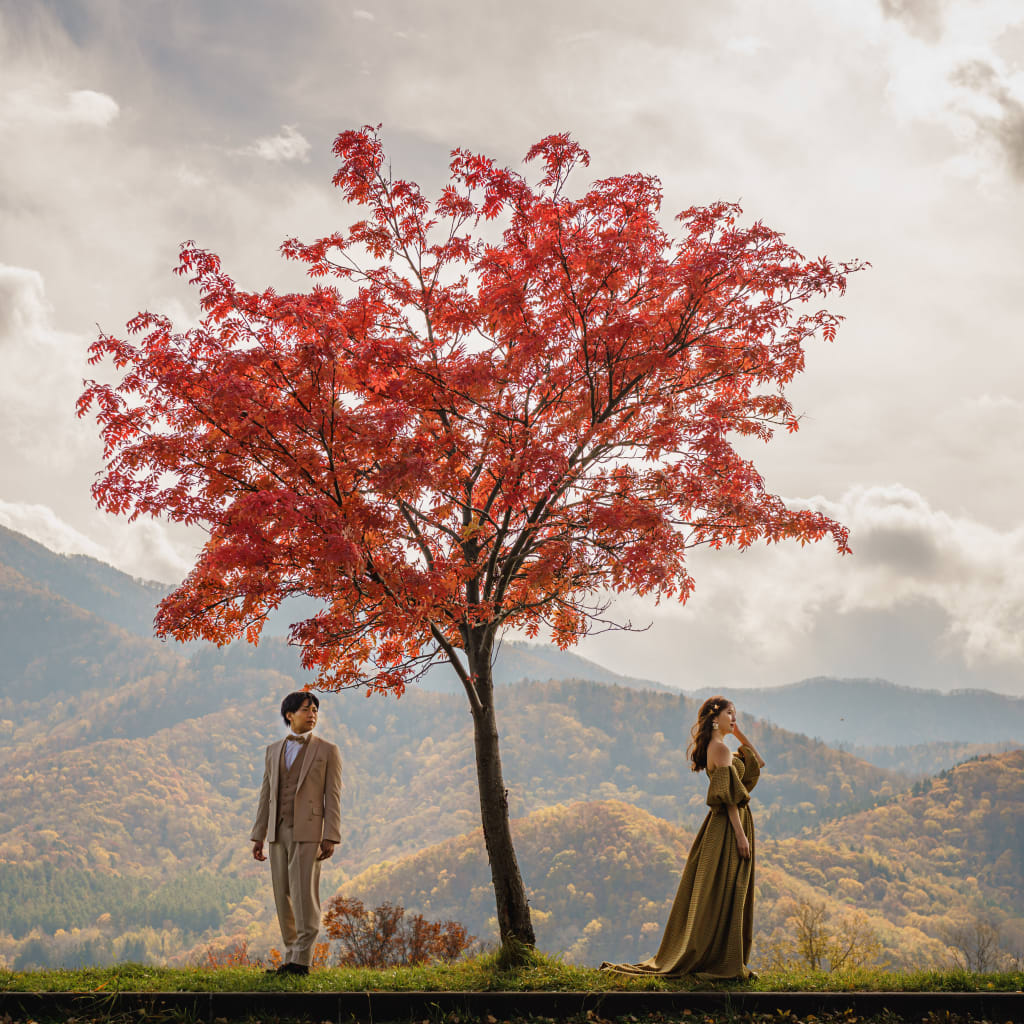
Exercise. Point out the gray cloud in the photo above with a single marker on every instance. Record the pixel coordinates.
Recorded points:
(901, 548)
(923, 18)
(237, 71)
(926, 599)
(218, 73)
(1006, 128)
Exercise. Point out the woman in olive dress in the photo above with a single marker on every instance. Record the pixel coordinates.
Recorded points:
(710, 926)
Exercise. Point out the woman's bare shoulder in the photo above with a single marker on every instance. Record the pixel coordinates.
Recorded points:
(719, 755)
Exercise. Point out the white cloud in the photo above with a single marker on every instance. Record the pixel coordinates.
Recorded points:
(144, 549)
(48, 105)
(746, 45)
(361, 15)
(906, 553)
(22, 301)
(288, 144)
(910, 552)
(43, 525)
(149, 549)
(50, 454)
(88, 107)
(42, 366)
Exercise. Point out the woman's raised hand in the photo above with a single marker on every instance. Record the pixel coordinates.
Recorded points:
(738, 733)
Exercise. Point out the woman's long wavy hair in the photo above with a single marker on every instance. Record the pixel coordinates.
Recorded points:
(700, 734)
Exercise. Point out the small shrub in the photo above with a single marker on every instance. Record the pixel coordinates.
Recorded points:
(387, 937)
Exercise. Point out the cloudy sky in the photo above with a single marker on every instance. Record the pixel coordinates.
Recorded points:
(886, 130)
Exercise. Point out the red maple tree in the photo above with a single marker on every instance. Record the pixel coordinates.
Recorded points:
(491, 411)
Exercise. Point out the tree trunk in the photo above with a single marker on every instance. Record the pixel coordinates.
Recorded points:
(509, 892)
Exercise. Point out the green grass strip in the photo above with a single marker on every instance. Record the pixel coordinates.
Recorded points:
(483, 974)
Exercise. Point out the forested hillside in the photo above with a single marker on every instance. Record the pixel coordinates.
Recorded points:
(129, 768)
(921, 760)
(967, 823)
(89, 584)
(52, 649)
(409, 776)
(602, 875)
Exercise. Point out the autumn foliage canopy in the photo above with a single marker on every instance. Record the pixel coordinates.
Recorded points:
(496, 409)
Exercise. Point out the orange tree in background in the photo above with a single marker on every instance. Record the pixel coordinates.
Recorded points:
(491, 410)
(387, 937)
(236, 954)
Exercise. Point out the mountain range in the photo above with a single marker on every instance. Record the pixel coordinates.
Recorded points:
(859, 713)
(129, 767)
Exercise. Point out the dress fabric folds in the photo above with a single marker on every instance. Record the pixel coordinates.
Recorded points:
(711, 925)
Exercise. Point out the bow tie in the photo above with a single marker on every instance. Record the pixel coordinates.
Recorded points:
(300, 739)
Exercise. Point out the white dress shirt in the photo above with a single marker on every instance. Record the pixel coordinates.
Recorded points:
(291, 749)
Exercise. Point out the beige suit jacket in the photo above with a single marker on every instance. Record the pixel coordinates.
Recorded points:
(317, 797)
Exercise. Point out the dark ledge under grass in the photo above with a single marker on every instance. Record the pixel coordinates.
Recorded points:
(378, 1007)
(485, 989)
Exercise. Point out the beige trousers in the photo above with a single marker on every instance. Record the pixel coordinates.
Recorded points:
(295, 872)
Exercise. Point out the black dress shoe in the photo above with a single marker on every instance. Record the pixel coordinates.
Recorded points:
(280, 969)
(293, 969)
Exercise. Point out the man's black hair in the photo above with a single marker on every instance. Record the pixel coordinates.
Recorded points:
(296, 700)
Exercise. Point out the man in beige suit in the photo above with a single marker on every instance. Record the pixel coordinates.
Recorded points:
(299, 814)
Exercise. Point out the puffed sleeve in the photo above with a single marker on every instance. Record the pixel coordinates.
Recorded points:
(726, 788)
(746, 767)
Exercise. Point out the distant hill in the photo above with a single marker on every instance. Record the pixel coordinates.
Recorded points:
(966, 825)
(853, 713)
(926, 759)
(518, 661)
(120, 791)
(876, 713)
(53, 648)
(948, 851)
(600, 878)
(409, 773)
(93, 586)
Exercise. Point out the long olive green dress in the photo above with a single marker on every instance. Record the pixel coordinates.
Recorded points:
(711, 925)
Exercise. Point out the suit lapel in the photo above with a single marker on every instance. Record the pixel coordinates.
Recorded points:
(307, 761)
(275, 764)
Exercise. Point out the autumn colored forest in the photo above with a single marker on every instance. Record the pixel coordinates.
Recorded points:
(129, 771)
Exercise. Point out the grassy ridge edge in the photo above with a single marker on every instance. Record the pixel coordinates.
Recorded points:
(484, 974)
